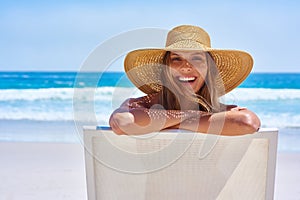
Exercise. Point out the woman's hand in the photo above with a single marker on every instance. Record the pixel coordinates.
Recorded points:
(121, 120)
(239, 121)
(234, 121)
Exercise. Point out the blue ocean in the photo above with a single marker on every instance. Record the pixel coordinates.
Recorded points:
(36, 97)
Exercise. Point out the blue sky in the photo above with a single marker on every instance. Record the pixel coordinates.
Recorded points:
(58, 36)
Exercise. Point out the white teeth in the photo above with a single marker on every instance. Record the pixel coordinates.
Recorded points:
(186, 79)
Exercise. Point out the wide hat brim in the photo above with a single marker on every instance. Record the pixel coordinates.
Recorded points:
(144, 66)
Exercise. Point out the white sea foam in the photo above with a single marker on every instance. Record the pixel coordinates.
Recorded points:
(61, 103)
(280, 120)
(250, 94)
(66, 93)
(37, 115)
(36, 94)
(284, 120)
(241, 94)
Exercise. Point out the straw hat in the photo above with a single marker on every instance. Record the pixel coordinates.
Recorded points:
(143, 67)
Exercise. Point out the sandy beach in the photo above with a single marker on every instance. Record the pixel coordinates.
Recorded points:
(34, 171)
(45, 160)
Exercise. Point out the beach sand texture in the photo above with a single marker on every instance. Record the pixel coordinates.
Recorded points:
(34, 171)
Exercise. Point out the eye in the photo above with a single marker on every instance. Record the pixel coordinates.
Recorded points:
(197, 58)
(174, 59)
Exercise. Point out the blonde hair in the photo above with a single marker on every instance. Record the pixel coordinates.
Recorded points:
(206, 99)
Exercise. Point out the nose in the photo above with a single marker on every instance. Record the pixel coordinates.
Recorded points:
(186, 67)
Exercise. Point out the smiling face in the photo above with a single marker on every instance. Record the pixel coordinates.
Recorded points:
(189, 68)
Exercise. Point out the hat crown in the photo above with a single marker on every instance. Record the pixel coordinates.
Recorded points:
(188, 32)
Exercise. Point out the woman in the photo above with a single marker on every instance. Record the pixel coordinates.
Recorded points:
(183, 83)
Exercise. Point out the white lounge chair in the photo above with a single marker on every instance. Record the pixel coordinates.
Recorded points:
(178, 164)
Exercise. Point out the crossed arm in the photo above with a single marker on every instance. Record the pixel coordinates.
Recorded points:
(135, 119)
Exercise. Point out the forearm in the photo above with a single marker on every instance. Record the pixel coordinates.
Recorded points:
(237, 122)
(149, 120)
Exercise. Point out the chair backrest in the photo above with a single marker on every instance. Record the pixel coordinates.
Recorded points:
(177, 164)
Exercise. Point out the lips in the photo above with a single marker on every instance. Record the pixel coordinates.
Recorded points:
(185, 79)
